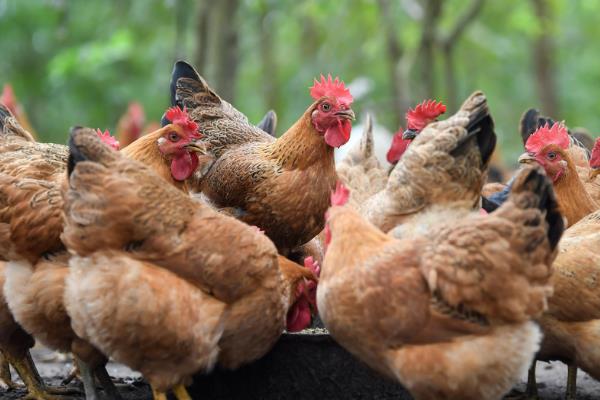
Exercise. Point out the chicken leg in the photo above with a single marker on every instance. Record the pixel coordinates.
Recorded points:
(157, 395)
(6, 381)
(571, 382)
(531, 391)
(179, 391)
(36, 388)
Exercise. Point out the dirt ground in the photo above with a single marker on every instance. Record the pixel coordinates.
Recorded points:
(53, 367)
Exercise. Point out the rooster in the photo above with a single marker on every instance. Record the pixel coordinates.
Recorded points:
(550, 147)
(447, 310)
(280, 185)
(197, 302)
(416, 120)
(459, 149)
(131, 124)
(32, 176)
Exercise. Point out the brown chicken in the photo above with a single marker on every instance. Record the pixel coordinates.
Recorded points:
(9, 99)
(360, 170)
(445, 163)
(156, 284)
(571, 323)
(549, 146)
(446, 311)
(280, 185)
(33, 208)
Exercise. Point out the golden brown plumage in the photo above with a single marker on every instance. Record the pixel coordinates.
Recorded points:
(280, 185)
(445, 163)
(178, 262)
(360, 170)
(446, 311)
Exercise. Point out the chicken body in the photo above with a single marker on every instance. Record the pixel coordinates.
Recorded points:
(445, 163)
(179, 299)
(446, 312)
(280, 185)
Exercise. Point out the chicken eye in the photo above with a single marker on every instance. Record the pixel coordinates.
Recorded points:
(174, 137)
(551, 156)
(326, 107)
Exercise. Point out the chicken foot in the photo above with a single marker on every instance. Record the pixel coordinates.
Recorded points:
(36, 388)
(89, 383)
(6, 381)
(179, 391)
(571, 382)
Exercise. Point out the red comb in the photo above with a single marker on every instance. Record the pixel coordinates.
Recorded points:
(107, 139)
(312, 265)
(8, 97)
(397, 148)
(595, 159)
(180, 117)
(424, 113)
(340, 195)
(545, 135)
(331, 88)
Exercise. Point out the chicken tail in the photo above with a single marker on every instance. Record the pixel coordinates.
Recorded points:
(9, 126)
(84, 145)
(269, 123)
(532, 189)
(480, 127)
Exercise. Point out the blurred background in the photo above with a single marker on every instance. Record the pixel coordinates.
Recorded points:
(84, 62)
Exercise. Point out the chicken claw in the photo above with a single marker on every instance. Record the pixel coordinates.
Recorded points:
(6, 381)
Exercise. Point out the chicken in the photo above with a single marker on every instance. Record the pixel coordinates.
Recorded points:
(131, 124)
(155, 283)
(360, 170)
(549, 146)
(31, 181)
(590, 175)
(531, 121)
(445, 163)
(9, 99)
(280, 185)
(416, 120)
(447, 310)
(571, 323)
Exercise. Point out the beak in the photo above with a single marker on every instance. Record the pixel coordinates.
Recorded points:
(526, 158)
(196, 147)
(346, 114)
(409, 134)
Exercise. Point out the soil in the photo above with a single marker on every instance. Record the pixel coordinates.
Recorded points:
(305, 366)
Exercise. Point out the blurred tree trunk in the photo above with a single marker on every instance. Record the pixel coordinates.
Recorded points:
(433, 9)
(543, 59)
(217, 48)
(448, 44)
(268, 60)
(395, 55)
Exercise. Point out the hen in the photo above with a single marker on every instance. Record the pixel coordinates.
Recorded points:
(571, 323)
(33, 208)
(445, 163)
(155, 283)
(280, 185)
(9, 99)
(447, 310)
(549, 147)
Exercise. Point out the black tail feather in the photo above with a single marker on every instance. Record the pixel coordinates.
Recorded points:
(181, 69)
(269, 123)
(75, 155)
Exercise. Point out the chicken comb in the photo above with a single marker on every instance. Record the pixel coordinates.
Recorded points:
(180, 117)
(108, 139)
(340, 195)
(424, 113)
(8, 97)
(313, 265)
(331, 88)
(595, 158)
(545, 135)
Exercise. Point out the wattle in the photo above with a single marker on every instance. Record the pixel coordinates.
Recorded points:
(298, 317)
(184, 165)
(339, 134)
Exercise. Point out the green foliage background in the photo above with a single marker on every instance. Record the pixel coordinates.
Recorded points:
(81, 62)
